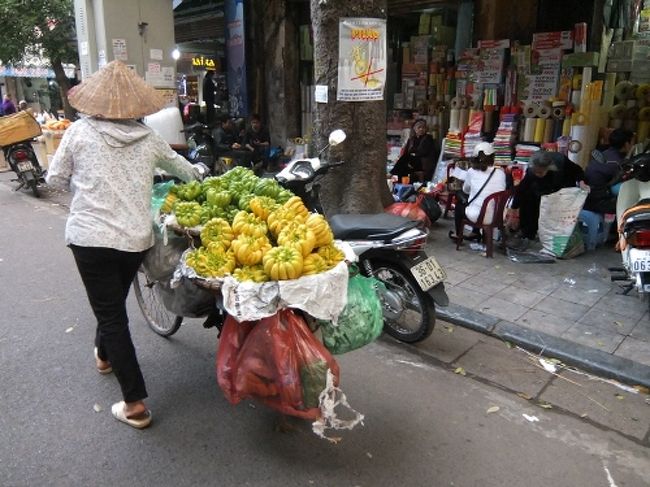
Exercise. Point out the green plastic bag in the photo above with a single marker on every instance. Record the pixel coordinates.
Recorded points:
(361, 321)
(158, 194)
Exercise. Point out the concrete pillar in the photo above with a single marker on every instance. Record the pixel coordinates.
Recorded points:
(138, 32)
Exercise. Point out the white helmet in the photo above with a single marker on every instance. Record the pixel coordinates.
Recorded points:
(484, 147)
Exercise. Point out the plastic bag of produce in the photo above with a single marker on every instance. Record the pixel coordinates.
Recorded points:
(362, 319)
(276, 360)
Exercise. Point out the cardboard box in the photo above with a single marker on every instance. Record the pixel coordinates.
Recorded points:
(580, 59)
(420, 49)
(18, 127)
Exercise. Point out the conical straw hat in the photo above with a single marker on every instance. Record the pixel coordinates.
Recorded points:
(115, 92)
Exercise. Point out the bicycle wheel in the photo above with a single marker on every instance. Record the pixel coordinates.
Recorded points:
(159, 319)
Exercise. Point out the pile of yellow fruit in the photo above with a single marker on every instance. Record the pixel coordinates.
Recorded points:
(264, 239)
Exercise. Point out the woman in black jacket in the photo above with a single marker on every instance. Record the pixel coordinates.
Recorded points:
(418, 155)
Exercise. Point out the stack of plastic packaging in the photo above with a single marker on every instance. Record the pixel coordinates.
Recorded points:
(505, 138)
(523, 152)
(473, 133)
(454, 144)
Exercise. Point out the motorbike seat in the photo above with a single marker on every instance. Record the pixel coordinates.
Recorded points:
(380, 226)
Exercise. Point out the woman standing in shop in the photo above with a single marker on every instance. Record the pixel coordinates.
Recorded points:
(107, 158)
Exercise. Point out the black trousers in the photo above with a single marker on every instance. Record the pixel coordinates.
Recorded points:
(107, 275)
(529, 214)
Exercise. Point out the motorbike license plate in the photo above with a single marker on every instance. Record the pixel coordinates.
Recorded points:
(24, 166)
(428, 273)
(640, 260)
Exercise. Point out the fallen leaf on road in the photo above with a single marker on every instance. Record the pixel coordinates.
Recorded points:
(493, 409)
(68, 330)
(460, 370)
(508, 344)
(98, 408)
(545, 405)
(497, 267)
(600, 343)
(618, 323)
(584, 415)
(532, 419)
(642, 389)
(369, 454)
(523, 395)
(449, 328)
(588, 333)
(619, 396)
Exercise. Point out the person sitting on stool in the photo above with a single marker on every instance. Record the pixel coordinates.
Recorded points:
(483, 180)
(418, 155)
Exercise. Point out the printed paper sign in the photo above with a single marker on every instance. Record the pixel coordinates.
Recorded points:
(119, 49)
(362, 59)
(156, 54)
(154, 68)
(321, 94)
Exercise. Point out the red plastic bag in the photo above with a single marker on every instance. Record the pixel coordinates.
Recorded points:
(412, 211)
(276, 360)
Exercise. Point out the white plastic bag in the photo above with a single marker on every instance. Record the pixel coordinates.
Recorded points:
(558, 216)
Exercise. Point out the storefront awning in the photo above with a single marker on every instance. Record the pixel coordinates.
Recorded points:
(34, 72)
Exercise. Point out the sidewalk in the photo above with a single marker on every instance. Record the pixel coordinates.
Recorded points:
(568, 309)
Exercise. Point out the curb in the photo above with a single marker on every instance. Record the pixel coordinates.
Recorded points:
(587, 358)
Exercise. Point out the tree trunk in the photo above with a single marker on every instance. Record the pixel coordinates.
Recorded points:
(359, 185)
(280, 57)
(64, 86)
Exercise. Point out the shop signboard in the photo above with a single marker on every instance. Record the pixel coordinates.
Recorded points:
(235, 53)
(362, 59)
(490, 66)
(549, 40)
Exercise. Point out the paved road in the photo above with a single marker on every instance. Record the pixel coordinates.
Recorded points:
(425, 425)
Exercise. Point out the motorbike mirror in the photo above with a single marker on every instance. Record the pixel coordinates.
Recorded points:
(336, 137)
(598, 156)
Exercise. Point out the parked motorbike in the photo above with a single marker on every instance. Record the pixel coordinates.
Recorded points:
(23, 161)
(389, 247)
(201, 148)
(633, 217)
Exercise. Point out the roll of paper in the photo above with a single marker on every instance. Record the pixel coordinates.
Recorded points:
(455, 102)
(644, 114)
(643, 131)
(558, 112)
(577, 146)
(488, 121)
(576, 95)
(464, 118)
(557, 129)
(530, 110)
(544, 111)
(540, 127)
(617, 111)
(579, 119)
(548, 130)
(529, 129)
(624, 90)
(454, 119)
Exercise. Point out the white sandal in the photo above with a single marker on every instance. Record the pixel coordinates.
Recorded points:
(140, 422)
